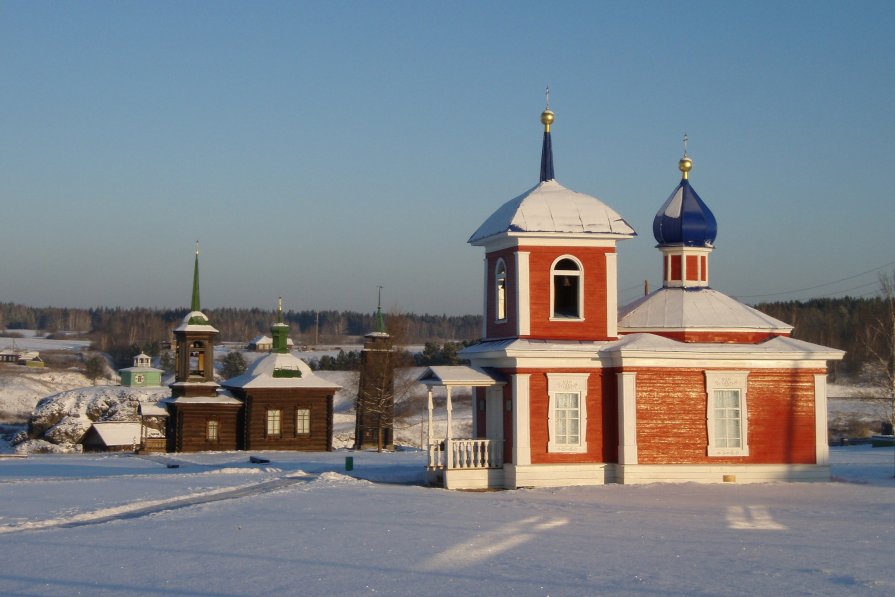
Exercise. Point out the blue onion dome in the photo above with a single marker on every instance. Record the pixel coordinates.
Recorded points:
(684, 219)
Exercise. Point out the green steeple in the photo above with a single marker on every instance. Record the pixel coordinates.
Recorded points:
(196, 304)
(280, 331)
(380, 320)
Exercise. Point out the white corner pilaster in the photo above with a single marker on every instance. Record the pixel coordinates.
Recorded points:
(521, 419)
(523, 290)
(822, 444)
(486, 292)
(627, 418)
(612, 295)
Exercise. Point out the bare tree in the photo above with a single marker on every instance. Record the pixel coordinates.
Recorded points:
(880, 345)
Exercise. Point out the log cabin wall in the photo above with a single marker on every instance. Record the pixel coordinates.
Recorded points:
(190, 427)
(288, 402)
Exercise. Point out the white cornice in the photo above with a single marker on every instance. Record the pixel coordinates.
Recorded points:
(508, 240)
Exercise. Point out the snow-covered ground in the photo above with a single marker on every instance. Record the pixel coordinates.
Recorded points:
(218, 525)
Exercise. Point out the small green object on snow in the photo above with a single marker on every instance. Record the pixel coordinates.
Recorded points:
(349, 463)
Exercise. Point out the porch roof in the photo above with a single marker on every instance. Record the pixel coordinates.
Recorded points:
(461, 375)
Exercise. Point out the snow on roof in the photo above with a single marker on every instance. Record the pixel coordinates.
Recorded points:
(153, 410)
(117, 433)
(525, 345)
(261, 374)
(551, 207)
(141, 370)
(222, 399)
(694, 309)
(186, 326)
(461, 376)
(778, 346)
(262, 339)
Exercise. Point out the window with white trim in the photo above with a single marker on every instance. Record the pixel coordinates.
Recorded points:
(500, 290)
(302, 421)
(727, 417)
(567, 412)
(139, 378)
(274, 418)
(566, 290)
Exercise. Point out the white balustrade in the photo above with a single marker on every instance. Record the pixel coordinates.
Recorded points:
(466, 453)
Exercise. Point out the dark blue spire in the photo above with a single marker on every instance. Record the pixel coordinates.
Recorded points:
(547, 118)
(547, 158)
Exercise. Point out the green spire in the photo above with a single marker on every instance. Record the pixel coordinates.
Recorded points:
(280, 331)
(380, 320)
(196, 304)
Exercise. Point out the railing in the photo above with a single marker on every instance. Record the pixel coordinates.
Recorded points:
(466, 453)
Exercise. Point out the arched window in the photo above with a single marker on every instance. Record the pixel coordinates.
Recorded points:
(567, 289)
(500, 290)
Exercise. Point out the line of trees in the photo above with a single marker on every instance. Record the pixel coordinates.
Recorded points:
(123, 332)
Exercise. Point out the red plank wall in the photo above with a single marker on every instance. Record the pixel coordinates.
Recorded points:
(671, 417)
(602, 418)
(593, 261)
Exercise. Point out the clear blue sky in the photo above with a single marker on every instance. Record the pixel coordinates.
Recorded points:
(319, 149)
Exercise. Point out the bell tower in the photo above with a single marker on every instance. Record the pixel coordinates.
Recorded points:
(194, 353)
(550, 261)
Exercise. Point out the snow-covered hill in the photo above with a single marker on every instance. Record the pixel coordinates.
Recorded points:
(21, 388)
(62, 419)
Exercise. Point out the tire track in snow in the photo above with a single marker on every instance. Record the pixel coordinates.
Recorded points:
(146, 508)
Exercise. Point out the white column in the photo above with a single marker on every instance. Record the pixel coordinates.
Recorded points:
(429, 436)
(449, 452)
(487, 289)
(821, 441)
(521, 419)
(627, 418)
(611, 295)
(523, 297)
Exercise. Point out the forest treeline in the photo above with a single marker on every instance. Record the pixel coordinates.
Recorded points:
(845, 323)
(859, 326)
(110, 328)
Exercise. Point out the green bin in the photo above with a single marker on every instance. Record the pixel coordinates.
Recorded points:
(349, 463)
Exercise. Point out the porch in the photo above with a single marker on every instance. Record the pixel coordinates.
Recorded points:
(459, 462)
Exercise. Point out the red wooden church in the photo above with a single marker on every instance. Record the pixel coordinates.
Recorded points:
(685, 384)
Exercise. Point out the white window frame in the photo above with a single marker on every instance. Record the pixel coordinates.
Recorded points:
(567, 383)
(139, 378)
(500, 291)
(579, 274)
(302, 421)
(274, 422)
(716, 381)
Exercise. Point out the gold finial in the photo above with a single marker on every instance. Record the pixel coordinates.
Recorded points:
(197, 248)
(547, 114)
(686, 163)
